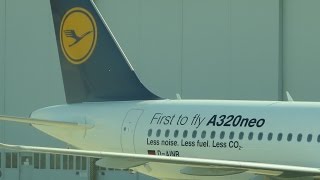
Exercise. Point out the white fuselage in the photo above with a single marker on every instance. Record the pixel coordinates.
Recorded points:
(286, 133)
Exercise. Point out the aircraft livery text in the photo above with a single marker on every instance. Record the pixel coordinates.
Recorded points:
(197, 120)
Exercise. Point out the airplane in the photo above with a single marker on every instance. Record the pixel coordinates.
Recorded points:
(110, 115)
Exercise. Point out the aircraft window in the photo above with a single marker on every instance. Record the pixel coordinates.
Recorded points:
(241, 134)
(149, 132)
(250, 136)
(166, 134)
(260, 136)
(309, 138)
(231, 135)
(185, 133)
(194, 134)
(318, 138)
(158, 132)
(289, 138)
(299, 137)
(176, 133)
(203, 134)
(222, 134)
(270, 136)
(279, 137)
(213, 134)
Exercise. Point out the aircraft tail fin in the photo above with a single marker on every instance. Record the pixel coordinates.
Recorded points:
(94, 68)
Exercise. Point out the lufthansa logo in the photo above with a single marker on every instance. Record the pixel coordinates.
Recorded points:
(78, 35)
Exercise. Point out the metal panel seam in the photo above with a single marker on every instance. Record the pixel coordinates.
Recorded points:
(181, 58)
(281, 93)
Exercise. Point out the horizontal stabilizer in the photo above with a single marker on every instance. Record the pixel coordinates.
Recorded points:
(142, 159)
(211, 171)
(44, 122)
(119, 163)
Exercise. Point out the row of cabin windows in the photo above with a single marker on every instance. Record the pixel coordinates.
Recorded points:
(232, 135)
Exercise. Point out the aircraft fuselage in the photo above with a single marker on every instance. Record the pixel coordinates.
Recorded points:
(252, 131)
